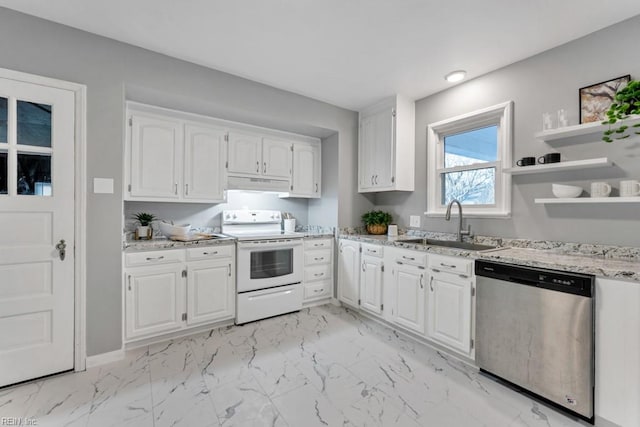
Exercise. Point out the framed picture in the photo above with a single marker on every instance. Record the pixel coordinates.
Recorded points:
(596, 99)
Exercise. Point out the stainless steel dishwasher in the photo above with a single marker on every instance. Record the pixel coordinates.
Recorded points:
(535, 329)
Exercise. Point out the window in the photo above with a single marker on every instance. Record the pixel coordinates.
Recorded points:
(466, 155)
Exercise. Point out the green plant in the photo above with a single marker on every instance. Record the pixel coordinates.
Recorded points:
(377, 217)
(625, 103)
(144, 218)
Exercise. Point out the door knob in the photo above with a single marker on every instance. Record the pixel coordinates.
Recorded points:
(62, 249)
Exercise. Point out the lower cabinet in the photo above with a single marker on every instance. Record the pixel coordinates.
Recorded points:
(408, 290)
(449, 310)
(318, 269)
(371, 284)
(349, 272)
(177, 289)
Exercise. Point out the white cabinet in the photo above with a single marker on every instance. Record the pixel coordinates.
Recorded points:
(154, 300)
(349, 272)
(204, 157)
(318, 269)
(170, 159)
(210, 291)
(617, 351)
(372, 268)
(175, 289)
(408, 292)
(254, 155)
(386, 146)
(306, 175)
(155, 153)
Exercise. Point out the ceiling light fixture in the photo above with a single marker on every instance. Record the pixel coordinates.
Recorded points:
(455, 76)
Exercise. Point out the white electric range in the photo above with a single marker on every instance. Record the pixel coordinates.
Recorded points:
(269, 264)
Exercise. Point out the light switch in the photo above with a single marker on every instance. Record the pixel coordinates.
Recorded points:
(414, 221)
(103, 185)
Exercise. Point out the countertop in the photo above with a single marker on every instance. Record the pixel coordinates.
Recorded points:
(543, 258)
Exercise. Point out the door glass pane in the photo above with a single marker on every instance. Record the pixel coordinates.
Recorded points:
(34, 124)
(472, 187)
(470, 147)
(34, 174)
(3, 119)
(275, 263)
(3, 173)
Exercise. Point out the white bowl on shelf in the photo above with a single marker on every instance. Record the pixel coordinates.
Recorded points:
(174, 230)
(563, 191)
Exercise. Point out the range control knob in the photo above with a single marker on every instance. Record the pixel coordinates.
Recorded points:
(234, 216)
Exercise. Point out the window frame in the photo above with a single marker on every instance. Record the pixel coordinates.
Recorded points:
(500, 115)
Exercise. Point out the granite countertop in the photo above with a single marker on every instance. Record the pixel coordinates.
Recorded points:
(598, 265)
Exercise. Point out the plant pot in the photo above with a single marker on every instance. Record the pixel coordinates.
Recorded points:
(377, 228)
(144, 232)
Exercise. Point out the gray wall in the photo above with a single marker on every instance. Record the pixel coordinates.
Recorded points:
(324, 211)
(114, 71)
(546, 82)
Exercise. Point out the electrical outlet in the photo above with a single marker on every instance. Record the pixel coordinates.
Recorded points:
(414, 221)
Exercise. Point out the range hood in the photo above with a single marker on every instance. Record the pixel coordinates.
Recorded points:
(259, 184)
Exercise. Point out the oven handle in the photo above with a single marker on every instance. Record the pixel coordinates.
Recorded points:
(265, 245)
(271, 294)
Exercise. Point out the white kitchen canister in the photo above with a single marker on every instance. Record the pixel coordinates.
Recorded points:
(289, 225)
(392, 230)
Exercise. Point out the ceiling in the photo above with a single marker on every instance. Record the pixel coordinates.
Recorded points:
(349, 53)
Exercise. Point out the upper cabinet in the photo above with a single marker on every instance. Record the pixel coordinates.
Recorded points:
(171, 156)
(386, 146)
(168, 159)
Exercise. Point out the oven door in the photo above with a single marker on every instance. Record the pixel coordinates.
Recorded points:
(268, 263)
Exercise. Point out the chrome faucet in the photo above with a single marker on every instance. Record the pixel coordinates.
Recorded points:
(447, 216)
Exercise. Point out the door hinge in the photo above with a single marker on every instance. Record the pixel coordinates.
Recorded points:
(184, 273)
(292, 188)
(473, 291)
(292, 148)
(381, 307)
(393, 113)
(472, 343)
(360, 249)
(226, 164)
(382, 267)
(226, 137)
(130, 121)
(129, 187)
(393, 179)
(184, 317)
(358, 302)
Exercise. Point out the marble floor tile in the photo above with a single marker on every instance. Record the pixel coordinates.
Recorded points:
(325, 366)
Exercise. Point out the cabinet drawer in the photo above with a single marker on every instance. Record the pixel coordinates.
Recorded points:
(451, 264)
(211, 252)
(372, 250)
(319, 272)
(310, 244)
(316, 290)
(137, 259)
(418, 259)
(317, 257)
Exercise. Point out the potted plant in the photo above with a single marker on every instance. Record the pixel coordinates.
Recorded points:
(625, 103)
(377, 221)
(144, 229)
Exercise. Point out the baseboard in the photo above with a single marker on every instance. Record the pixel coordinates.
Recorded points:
(104, 358)
(141, 342)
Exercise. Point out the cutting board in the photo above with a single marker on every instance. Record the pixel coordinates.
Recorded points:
(192, 237)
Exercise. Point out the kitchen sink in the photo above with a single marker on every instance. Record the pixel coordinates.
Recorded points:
(449, 243)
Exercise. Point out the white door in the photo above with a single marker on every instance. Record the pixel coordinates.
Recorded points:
(409, 297)
(276, 158)
(156, 157)
(36, 213)
(371, 284)
(306, 170)
(210, 291)
(245, 153)
(449, 311)
(204, 163)
(154, 300)
(349, 272)
(384, 150)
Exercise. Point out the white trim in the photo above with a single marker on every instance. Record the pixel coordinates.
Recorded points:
(104, 358)
(80, 161)
(487, 116)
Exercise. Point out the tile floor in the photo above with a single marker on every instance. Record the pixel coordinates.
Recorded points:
(324, 366)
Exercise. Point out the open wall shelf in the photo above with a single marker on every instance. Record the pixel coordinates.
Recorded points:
(560, 166)
(579, 130)
(592, 200)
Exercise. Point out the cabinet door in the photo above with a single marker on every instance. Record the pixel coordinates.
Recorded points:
(306, 170)
(276, 158)
(210, 291)
(348, 272)
(371, 284)
(409, 297)
(449, 311)
(384, 150)
(156, 157)
(366, 153)
(204, 171)
(154, 300)
(245, 153)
